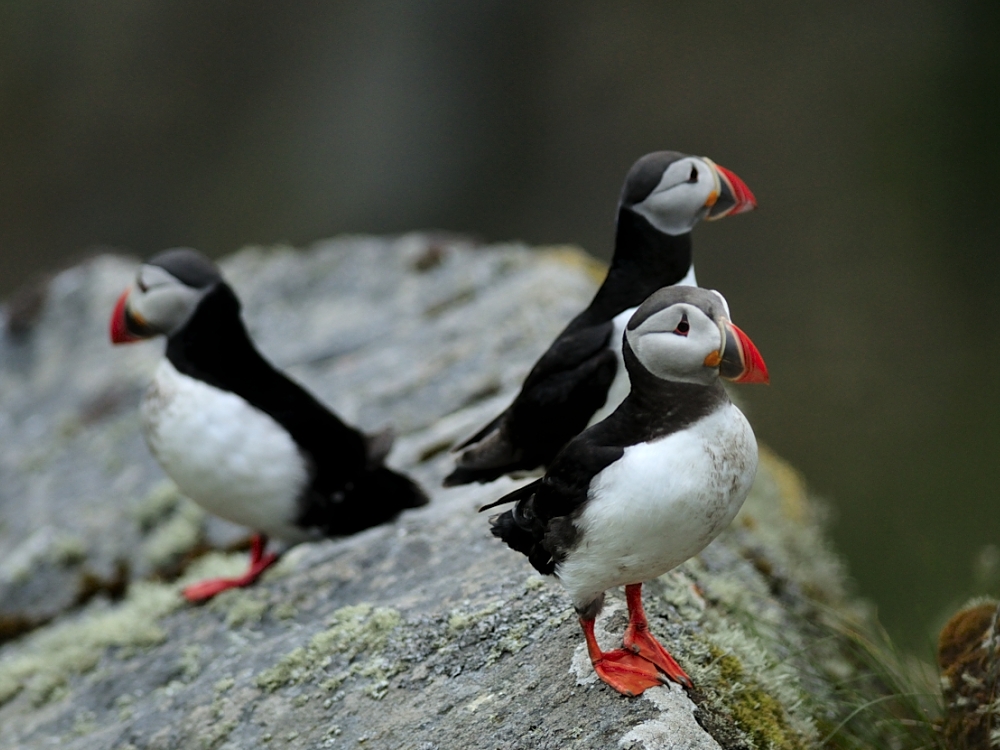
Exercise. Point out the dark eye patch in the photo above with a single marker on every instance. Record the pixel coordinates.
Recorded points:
(683, 328)
(694, 174)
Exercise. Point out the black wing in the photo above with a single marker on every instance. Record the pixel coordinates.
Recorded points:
(215, 347)
(542, 525)
(561, 393)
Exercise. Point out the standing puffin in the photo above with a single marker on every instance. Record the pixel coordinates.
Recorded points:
(650, 486)
(581, 378)
(237, 436)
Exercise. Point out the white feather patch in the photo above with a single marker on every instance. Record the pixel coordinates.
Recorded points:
(620, 386)
(226, 455)
(660, 504)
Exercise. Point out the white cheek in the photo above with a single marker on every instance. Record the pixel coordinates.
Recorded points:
(677, 210)
(672, 357)
(168, 308)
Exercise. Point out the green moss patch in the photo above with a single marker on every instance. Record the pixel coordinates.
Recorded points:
(755, 711)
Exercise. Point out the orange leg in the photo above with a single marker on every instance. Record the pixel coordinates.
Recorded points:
(641, 642)
(259, 562)
(623, 670)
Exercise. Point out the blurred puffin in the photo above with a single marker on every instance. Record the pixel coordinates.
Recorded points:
(650, 486)
(581, 378)
(237, 436)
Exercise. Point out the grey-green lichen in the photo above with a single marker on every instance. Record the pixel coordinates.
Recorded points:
(750, 656)
(51, 656)
(179, 533)
(190, 661)
(241, 606)
(155, 506)
(355, 631)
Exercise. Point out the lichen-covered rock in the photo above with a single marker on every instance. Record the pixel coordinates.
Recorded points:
(425, 633)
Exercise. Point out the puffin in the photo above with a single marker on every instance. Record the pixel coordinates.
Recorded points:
(581, 378)
(640, 492)
(239, 437)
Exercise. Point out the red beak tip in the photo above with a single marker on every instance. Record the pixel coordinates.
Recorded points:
(754, 368)
(744, 197)
(118, 329)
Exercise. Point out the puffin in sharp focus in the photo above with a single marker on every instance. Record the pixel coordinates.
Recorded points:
(651, 485)
(236, 435)
(581, 378)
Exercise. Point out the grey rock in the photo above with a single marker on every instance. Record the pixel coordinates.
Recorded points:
(425, 633)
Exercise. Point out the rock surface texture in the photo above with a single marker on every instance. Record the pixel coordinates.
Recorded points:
(426, 633)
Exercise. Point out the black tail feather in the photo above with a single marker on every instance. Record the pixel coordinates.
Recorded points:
(512, 497)
(519, 539)
(504, 527)
(376, 497)
(479, 435)
(468, 474)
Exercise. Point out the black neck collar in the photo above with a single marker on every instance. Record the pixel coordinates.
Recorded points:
(657, 407)
(645, 260)
(213, 345)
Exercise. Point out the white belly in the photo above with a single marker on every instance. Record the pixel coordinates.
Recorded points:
(660, 504)
(226, 455)
(620, 386)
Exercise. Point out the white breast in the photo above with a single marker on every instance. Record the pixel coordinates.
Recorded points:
(620, 386)
(661, 503)
(228, 456)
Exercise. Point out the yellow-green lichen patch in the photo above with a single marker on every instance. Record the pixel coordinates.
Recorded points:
(190, 662)
(51, 655)
(157, 505)
(742, 627)
(756, 712)
(67, 550)
(240, 606)
(459, 619)
(179, 533)
(356, 631)
(214, 565)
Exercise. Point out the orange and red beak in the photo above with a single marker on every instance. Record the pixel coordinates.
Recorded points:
(125, 326)
(734, 196)
(739, 360)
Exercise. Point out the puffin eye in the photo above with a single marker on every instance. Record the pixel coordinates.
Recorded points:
(694, 174)
(142, 287)
(683, 327)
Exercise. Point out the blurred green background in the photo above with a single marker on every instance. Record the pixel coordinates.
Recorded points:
(868, 131)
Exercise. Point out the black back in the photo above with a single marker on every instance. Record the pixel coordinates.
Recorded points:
(541, 525)
(570, 382)
(213, 346)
